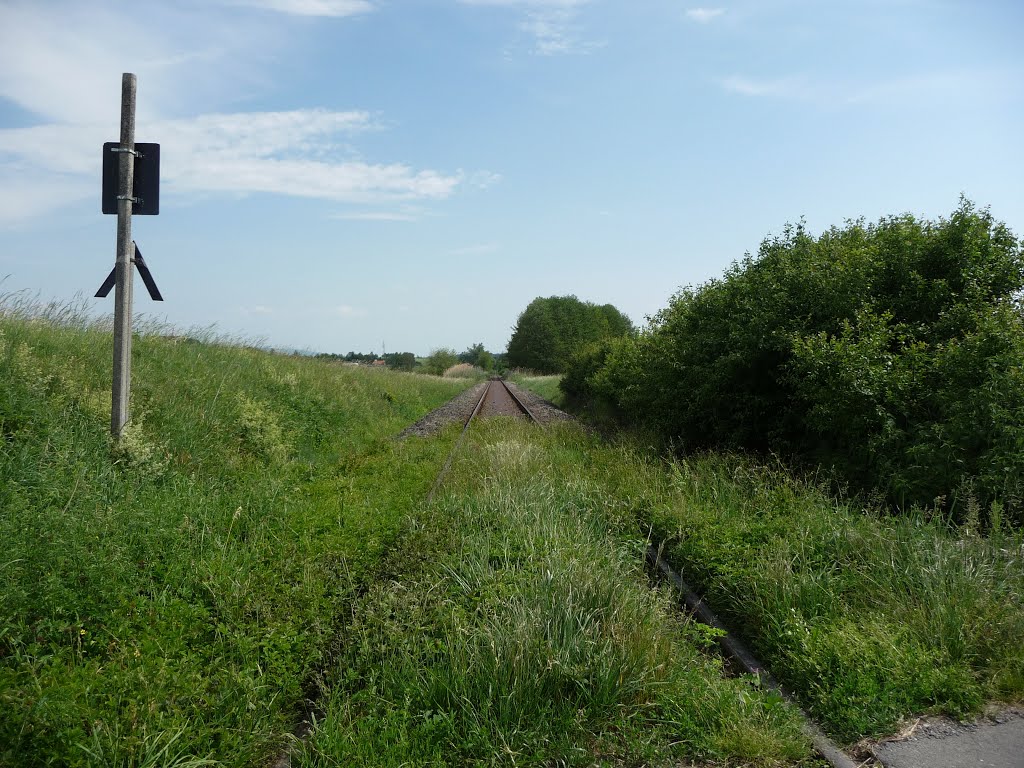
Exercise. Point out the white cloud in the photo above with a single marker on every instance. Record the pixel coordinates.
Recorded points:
(24, 196)
(954, 87)
(61, 62)
(258, 309)
(336, 8)
(64, 62)
(547, 4)
(704, 15)
(787, 87)
(475, 250)
(550, 23)
(290, 153)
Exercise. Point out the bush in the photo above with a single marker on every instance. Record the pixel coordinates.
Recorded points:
(890, 352)
(440, 360)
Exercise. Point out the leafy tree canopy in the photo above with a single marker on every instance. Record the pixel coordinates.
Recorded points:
(551, 330)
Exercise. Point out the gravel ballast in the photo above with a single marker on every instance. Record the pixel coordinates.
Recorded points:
(460, 407)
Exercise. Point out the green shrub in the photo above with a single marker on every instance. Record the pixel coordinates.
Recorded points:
(890, 352)
(440, 360)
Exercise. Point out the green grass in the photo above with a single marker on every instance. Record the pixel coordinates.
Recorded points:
(172, 598)
(870, 618)
(518, 628)
(545, 386)
(258, 536)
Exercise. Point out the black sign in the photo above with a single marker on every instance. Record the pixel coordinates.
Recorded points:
(145, 182)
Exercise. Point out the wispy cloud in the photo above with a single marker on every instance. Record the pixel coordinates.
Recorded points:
(958, 87)
(786, 87)
(258, 309)
(346, 310)
(291, 153)
(336, 8)
(551, 24)
(704, 15)
(475, 250)
(302, 152)
(64, 62)
(377, 216)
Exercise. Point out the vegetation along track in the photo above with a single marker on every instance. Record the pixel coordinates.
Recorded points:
(496, 398)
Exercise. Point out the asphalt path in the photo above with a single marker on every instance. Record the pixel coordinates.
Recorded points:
(997, 742)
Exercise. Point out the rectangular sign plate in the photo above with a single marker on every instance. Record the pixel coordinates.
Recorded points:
(145, 182)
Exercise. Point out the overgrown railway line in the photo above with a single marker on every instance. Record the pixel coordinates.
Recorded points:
(495, 398)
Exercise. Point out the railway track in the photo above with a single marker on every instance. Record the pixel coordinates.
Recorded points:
(497, 399)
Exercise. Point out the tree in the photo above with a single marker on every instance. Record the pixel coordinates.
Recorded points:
(550, 331)
(440, 360)
(401, 361)
(472, 354)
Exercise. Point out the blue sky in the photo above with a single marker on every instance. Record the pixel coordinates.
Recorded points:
(345, 174)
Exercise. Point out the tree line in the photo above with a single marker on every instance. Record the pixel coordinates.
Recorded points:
(437, 362)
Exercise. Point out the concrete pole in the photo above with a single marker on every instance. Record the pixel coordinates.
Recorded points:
(123, 272)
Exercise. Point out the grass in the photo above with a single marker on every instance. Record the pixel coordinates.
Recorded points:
(518, 628)
(545, 386)
(870, 618)
(174, 598)
(168, 600)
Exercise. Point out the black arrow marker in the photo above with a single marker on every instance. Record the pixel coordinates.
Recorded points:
(144, 273)
(147, 276)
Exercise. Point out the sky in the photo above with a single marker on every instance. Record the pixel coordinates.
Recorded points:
(404, 175)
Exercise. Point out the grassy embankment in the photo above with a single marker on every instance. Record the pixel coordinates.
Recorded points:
(175, 596)
(172, 599)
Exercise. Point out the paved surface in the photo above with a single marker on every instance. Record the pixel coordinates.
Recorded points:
(940, 743)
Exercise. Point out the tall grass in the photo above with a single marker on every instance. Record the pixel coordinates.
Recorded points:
(545, 386)
(871, 618)
(524, 632)
(169, 598)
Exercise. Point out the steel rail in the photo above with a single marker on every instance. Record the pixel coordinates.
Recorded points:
(458, 444)
(825, 747)
(519, 402)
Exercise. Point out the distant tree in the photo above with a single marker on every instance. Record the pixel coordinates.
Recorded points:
(440, 360)
(550, 331)
(478, 356)
(401, 361)
(472, 355)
